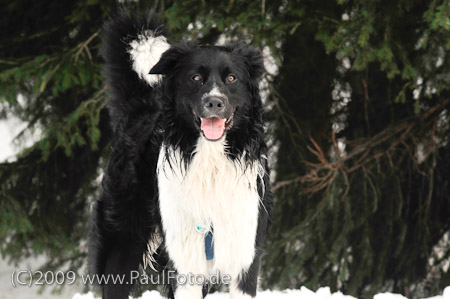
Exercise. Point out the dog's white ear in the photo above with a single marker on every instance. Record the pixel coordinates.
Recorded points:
(145, 53)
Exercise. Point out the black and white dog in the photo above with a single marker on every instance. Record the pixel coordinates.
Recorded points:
(187, 184)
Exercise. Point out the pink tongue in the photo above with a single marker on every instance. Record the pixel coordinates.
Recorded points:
(213, 127)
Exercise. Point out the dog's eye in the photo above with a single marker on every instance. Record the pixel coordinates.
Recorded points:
(231, 78)
(197, 78)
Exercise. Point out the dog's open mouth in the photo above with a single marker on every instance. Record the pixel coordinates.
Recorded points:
(213, 128)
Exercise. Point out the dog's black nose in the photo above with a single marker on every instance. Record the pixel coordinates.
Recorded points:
(214, 104)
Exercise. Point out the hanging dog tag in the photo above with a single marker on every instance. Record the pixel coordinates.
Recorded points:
(209, 247)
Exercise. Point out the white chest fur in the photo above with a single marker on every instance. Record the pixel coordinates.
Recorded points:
(215, 191)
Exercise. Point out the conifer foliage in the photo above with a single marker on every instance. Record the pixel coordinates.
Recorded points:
(359, 127)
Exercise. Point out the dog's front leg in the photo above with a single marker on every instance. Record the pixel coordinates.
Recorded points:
(244, 286)
(184, 286)
(186, 251)
(187, 285)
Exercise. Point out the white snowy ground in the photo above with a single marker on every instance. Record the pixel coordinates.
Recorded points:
(303, 293)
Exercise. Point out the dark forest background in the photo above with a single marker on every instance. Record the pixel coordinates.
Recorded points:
(359, 132)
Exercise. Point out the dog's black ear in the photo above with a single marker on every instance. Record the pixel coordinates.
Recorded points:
(167, 62)
(169, 59)
(253, 59)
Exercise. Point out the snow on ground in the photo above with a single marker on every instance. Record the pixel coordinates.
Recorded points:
(303, 293)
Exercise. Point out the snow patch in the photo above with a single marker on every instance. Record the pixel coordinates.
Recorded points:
(303, 292)
(389, 296)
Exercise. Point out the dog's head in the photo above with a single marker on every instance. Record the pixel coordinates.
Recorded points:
(212, 86)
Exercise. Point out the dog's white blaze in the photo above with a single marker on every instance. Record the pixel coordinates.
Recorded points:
(214, 92)
(213, 191)
(145, 53)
